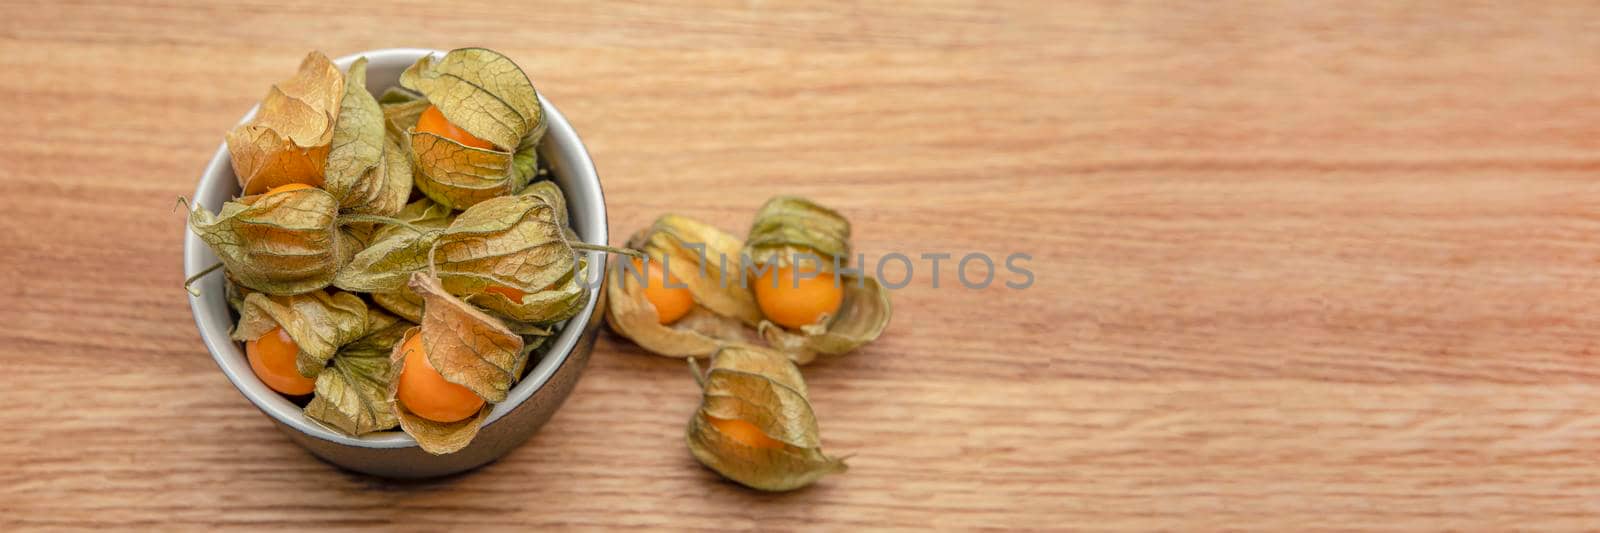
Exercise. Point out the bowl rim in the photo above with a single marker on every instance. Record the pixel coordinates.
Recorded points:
(221, 346)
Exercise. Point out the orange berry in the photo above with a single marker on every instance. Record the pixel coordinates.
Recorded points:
(794, 304)
(427, 394)
(289, 187)
(433, 121)
(272, 357)
(671, 303)
(744, 432)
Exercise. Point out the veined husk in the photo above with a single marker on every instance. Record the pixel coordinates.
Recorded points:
(234, 294)
(386, 264)
(352, 394)
(467, 347)
(763, 388)
(288, 139)
(319, 323)
(560, 301)
(437, 438)
(395, 251)
(401, 110)
(422, 215)
(787, 225)
(557, 302)
(367, 171)
(712, 277)
(515, 241)
(403, 302)
(481, 91)
(551, 194)
(487, 95)
(354, 237)
(862, 317)
(511, 241)
(283, 243)
(724, 308)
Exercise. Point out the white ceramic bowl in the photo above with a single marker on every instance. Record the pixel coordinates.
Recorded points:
(393, 453)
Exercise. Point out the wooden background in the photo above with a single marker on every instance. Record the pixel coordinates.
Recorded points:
(1298, 264)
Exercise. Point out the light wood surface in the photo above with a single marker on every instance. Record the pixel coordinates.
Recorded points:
(1298, 264)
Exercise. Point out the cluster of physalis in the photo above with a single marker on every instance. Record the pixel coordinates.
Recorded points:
(785, 295)
(396, 261)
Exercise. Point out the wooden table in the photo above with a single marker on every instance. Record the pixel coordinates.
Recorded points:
(1297, 264)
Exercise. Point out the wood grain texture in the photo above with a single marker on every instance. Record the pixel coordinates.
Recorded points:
(1298, 264)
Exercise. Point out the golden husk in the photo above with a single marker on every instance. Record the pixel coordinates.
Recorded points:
(723, 310)
(467, 346)
(284, 243)
(480, 91)
(764, 389)
(403, 303)
(319, 323)
(288, 139)
(352, 394)
(487, 95)
(861, 318)
(558, 302)
(366, 171)
(437, 438)
(511, 241)
(788, 225)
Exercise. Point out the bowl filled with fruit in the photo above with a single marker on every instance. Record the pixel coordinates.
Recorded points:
(396, 257)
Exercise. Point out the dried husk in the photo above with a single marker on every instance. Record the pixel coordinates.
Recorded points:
(551, 194)
(352, 394)
(534, 348)
(525, 163)
(467, 346)
(461, 176)
(422, 214)
(365, 171)
(537, 346)
(787, 226)
(396, 251)
(234, 294)
(387, 264)
(283, 243)
(482, 92)
(763, 388)
(288, 139)
(556, 302)
(487, 95)
(713, 277)
(437, 438)
(404, 303)
(401, 110)
(397, 95)
(319, 323)
(511, 241)
(721, 312)
(354, 237)
(862, 317)
(559, 302)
